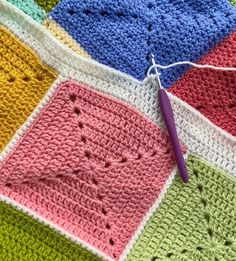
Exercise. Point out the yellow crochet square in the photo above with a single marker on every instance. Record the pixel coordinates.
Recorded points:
(24, 80)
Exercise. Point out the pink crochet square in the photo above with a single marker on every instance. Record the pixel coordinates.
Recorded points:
(91, 165)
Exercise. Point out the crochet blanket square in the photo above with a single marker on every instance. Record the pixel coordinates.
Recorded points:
(87, 168)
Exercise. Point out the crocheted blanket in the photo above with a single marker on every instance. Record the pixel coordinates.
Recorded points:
(87, 169)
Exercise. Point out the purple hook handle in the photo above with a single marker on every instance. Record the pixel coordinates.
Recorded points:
(168, 117)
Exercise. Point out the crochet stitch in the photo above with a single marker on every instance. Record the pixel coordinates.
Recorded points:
(171, 30)
(62, 35)
(47, 4)
(194, 222)
(213, 93)
(91, 162)
(24, 80)
(99, 157)
(24, 239)
(197, 134)
(30, 8)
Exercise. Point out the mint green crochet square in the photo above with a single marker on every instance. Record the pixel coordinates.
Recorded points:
(31, 8)
(194, 222)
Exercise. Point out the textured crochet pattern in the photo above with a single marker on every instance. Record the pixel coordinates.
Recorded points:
(24, 80)
(211, 92)
(171, 30)
(91, 165)
(30, 8)
(199, 136)
(63, 36)
(24, 239)
(47, 4)
(194, 222)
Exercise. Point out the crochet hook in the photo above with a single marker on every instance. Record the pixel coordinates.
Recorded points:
(168, 116)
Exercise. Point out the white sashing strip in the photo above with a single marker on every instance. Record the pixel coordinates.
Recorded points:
(19, 133)
(55, 227)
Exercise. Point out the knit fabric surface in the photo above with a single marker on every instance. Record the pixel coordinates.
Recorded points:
(171, 30)
(22, 238)
(87, 170)
(194, 222)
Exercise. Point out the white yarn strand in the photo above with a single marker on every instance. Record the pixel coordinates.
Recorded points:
(200, 66)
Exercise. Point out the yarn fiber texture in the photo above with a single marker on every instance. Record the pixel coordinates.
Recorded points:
(194, 222)
(123, 34)
(87, 170)
(86, 163)
(24, 80)
(30, 8)
(47, 5)
(36, 11)
(194, 131)
(212, 92)
(22, 238)
(63, 36)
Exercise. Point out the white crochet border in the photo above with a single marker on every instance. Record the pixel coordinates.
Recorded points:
(197, 133)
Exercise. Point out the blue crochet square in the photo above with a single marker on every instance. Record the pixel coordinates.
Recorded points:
(123, 33)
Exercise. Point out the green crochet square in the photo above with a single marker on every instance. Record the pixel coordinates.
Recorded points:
(233, 2)
(47, 5)
(194, 222)
(24, 239)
